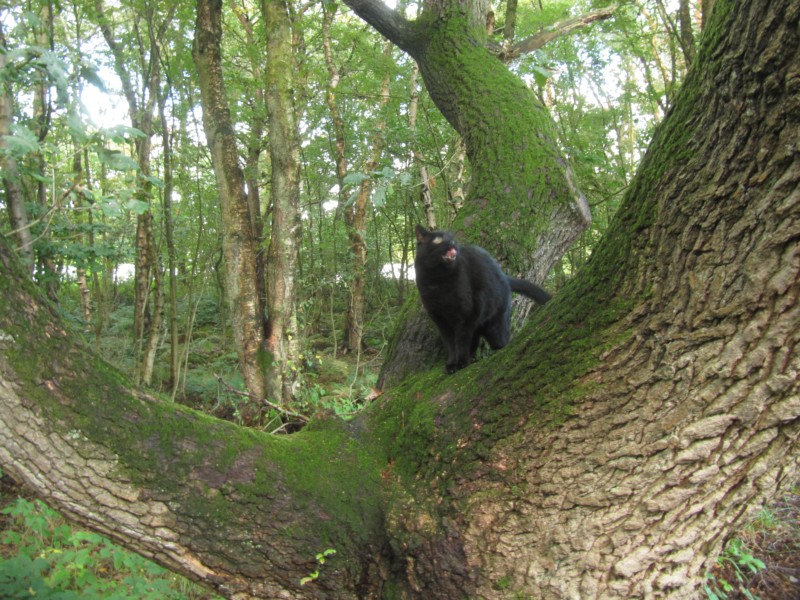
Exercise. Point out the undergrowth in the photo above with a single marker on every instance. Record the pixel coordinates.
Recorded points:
(762, 560)
(43, 557)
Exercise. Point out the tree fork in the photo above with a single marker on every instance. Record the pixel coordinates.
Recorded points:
(606, 453)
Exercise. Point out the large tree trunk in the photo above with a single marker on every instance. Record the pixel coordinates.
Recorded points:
(521, 184)
(606, 453)
(238, 242)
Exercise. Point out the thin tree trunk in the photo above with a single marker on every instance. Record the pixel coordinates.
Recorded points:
(42, 113)
(153, 337)
(457, 178)
(356, 221)
(14, 198)
(82, 281)
(686, 33)
(706, 7)
(141, 109)
(174, 343)
(425, 195)
(238, 241)
(337, 124)
(354, 212)
(510, 25)
(256, 143)
(284, 152)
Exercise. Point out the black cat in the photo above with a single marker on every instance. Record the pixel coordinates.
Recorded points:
(466, 294)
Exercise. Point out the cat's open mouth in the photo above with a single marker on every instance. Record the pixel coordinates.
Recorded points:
(450, 255)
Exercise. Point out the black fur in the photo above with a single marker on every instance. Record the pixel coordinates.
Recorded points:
(466, 294)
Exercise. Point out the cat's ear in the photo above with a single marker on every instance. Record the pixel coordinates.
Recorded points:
(422, 234)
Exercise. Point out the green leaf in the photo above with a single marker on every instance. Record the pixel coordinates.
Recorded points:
(88, 72)
(352, 199)
(122, 133)
(156, 181)
(354, 178)
(137, 206)
(311, 577)
(22, 141)
(116, 160)
(76, 126)
(541, 74)
(379, 195)
(110, 208)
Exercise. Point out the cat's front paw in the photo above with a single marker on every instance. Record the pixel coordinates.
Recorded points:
(451, 368)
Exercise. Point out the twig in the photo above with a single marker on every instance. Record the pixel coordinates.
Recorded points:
(538, 40)
(272, 405)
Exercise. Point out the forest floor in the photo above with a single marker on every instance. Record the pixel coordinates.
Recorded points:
(773, 538)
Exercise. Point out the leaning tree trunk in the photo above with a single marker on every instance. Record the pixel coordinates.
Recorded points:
(522, 203)
(606, 453)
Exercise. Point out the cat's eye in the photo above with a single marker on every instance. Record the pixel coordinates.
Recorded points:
(438, 240)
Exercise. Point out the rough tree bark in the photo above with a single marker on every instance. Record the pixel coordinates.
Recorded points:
(606, 453)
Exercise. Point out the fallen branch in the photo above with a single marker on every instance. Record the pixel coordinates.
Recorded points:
(281, 409)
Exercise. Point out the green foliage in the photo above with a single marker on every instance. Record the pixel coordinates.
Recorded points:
(321, 558)
(41, 556)
(738, 556)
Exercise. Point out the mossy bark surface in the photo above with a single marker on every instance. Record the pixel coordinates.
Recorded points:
(231, 507)
(607, 452)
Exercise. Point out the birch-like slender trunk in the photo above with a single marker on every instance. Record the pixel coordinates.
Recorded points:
(238, 241)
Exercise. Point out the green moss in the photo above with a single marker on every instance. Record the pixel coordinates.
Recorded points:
(518, 173)
(213, 470)
(503, 583)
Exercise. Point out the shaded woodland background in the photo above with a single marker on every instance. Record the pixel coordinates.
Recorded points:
(83, 83)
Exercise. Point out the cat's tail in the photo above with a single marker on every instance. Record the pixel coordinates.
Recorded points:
(531, 290)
